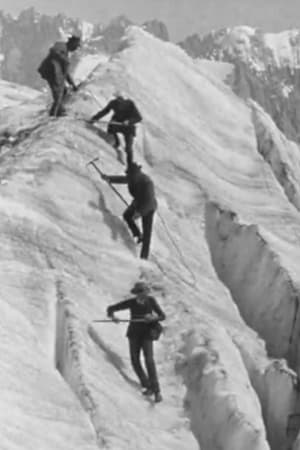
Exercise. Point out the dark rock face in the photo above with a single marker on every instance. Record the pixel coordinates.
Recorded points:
(25, 41)
(267, 69)
(157, 28)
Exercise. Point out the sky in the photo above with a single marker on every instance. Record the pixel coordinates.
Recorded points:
(182, 17)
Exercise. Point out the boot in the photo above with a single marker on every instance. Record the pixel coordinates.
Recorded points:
(157, 397)
(147, 391)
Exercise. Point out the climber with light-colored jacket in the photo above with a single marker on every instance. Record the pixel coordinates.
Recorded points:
(55, 70)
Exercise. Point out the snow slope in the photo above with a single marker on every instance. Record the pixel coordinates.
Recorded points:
(67, 255)
(13, 94)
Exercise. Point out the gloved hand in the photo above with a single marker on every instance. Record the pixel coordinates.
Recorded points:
(114, 318)
(105, 177)
(110, 314)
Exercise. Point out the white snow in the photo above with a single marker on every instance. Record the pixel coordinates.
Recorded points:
(13, 94)
(87, 64)
(66, 255)
(221, 70)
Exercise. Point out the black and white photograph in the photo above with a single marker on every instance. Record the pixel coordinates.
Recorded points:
(149, 225)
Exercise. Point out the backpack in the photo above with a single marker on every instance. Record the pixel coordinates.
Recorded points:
(45, 69)
(155, 331)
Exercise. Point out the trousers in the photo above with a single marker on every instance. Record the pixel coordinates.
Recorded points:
(147, 222)
(149, 379)
(58, 89)
(129, 133)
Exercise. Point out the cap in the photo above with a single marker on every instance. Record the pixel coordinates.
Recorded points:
(139, 287)
(74, 39)
(133, 167)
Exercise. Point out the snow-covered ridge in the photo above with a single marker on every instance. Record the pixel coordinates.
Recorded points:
(60, 221)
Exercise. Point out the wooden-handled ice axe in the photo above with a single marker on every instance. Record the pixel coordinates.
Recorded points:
(102, 175)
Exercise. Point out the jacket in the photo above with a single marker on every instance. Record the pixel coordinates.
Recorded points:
(123, 109)
(141, 188)
(138, 311)
(56, 64)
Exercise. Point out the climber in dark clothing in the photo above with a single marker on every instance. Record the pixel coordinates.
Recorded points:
(141, 336)
(125, 117)
(55, 70)
(144, 204)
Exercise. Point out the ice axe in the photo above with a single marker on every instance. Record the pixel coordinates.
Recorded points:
(93, 163)
(119, 320)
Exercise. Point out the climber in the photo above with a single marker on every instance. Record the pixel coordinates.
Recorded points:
(55, 70)
(141, 334)
(125, 117)
(144, 203)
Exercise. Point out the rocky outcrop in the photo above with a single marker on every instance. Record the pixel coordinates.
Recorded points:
(157, 28)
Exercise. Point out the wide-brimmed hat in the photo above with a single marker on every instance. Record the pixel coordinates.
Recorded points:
(139, 287)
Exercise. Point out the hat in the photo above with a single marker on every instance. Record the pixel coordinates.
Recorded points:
(74, 39)
(139, 287)
(132, 167)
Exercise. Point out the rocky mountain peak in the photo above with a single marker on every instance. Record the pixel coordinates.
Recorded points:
(266, 68)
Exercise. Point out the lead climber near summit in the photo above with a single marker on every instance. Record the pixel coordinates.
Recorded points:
(141, 334)
(55, 70)
(125, 117)
(144, 203)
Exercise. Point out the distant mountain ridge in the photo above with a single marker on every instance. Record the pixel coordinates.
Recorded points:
(266, 68)
(26, 39)
(266, 65)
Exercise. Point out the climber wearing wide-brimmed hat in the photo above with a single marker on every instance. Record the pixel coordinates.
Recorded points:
(144, 328)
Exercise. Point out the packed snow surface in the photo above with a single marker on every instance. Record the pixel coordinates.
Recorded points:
(13, 94)
(66, 255)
